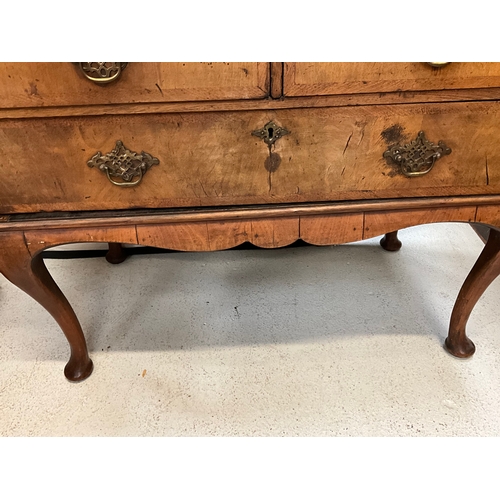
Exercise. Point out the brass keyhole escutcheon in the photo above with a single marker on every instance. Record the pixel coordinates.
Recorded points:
(270, 133)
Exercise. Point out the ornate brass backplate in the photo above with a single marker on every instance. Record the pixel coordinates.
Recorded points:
(418, 157)
(270, 133)
(102, 72)
(123, 164)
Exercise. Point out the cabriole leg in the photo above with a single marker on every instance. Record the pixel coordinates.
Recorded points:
(31, 276)
(390, 242)
(485, 270)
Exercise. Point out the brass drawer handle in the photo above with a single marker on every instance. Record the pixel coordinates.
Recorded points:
(418, 157)
(437, 64)
(123, 164)
(102, 72)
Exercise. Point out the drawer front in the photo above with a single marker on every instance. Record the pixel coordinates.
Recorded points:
(213, 159)
(309, 79)
(63, 84)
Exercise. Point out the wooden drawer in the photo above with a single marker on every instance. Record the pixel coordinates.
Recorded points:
(310, 79)
(212, 159)
(63, 84)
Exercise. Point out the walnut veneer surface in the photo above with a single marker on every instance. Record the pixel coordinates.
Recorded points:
(206, 156)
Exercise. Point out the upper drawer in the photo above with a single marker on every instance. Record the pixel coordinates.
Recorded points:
(309, 79)
(63, 84)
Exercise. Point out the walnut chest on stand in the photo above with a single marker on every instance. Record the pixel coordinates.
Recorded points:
(206, 156)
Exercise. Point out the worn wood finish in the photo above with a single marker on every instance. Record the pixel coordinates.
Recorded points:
(211, 159)
(31, 276)
(484, 272)
(62, 84)
(304, 79)
(391, 242)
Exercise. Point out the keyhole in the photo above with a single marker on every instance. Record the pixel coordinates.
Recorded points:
(270, 132)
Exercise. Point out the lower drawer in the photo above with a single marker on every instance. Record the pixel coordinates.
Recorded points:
(213, 159)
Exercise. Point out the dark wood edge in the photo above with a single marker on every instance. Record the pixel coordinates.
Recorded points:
(127, 217)
(482, 231)
(277, 80)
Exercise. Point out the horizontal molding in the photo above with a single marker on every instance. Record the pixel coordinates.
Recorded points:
(74, 220)
(369, 99)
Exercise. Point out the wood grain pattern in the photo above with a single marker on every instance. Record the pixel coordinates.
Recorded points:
(304, 79)
(377, 223)
(211, 159)
(275, 232)
(488, 215)
(62, 84)
(190, 237)
(40, 239)
(220, 235)
(331, 229)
